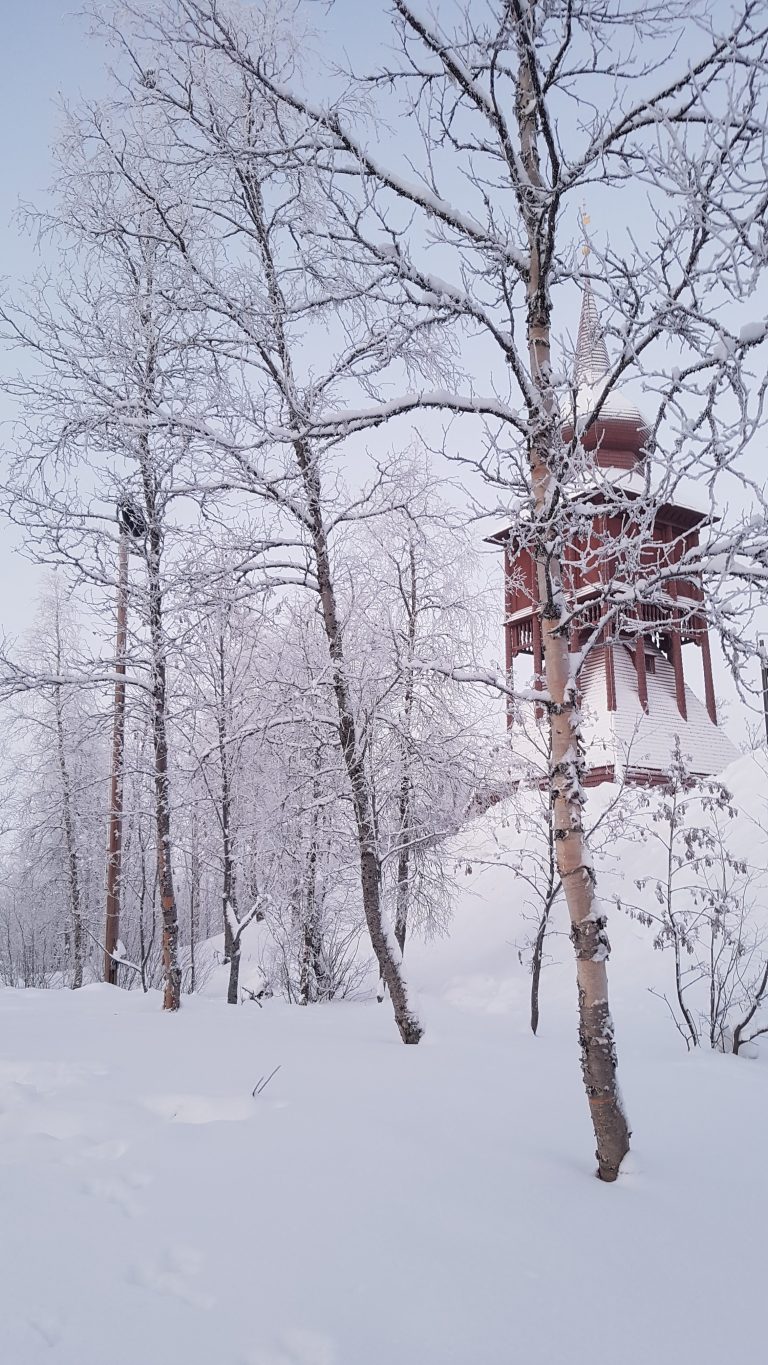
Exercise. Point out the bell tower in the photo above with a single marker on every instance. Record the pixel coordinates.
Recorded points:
(633, 682)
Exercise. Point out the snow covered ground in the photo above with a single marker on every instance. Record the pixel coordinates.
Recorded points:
(375, 1203)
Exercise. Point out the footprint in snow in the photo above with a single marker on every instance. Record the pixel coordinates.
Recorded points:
(112, 1191)
(112, 1149)
(295, 1347)
(48, 1326)
(172, 1274)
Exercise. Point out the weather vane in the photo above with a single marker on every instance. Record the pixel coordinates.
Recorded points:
(584, 220)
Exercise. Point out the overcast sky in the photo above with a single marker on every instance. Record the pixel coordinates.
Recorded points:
(47, 55)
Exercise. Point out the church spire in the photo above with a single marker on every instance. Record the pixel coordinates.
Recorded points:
(591, 351)
(592, 363)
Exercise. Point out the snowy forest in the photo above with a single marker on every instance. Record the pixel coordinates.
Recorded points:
(383, 462)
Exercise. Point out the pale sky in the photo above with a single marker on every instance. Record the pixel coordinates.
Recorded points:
(43, 53)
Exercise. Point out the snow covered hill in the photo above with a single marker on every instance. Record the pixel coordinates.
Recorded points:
(376, 1203)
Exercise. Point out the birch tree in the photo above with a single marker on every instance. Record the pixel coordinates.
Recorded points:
(74, 873)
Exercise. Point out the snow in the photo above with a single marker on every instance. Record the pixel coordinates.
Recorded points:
(752, 332)
(377, 1202)
(616, 404)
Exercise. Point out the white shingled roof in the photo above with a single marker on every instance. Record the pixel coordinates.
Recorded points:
(627, 736)
(616, 404)
(592, 367)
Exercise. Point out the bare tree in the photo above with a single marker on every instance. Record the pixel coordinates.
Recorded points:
(67, 809)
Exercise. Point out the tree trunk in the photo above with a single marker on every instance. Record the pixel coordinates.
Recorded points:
(314, 983)
(233, 985)
(405, 835)
(145, 946)
(114, 842)
(171, 969)
(194, 902)
(553, 889)
(405, 800)
(228, 880)
(227, 956)
(310, 948)
(596, 1035)
(385, 948)
(75, 901)
(73, 869)
(402, 896)
(536, 961)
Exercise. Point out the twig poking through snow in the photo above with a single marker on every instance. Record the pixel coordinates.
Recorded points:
(263, 1082)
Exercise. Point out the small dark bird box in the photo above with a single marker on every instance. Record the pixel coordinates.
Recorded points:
(131, 519)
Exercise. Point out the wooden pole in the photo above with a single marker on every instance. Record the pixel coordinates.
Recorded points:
(508, 652)
(610, 669)
(607, 570)
(764, 676)
(676, 633)
(677, 663)
(114, 844)
(642, 681)
(538, 658)
(709, 684)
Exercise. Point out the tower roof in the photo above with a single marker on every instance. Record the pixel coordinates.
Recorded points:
(592, 362)
(629, 737)
(619, 433)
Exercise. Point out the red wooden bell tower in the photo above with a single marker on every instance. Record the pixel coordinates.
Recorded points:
(633, 681)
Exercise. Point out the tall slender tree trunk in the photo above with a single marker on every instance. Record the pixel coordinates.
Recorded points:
(67, 817)
(537, 960)
(405, 797)
(313, 982)
(194, 902)
(536, 964)
(233, 985)
(171, 969)
(405, 835)
(385, 948)
(402, 893)
(228, 867)
(114, 841)
(590, 941)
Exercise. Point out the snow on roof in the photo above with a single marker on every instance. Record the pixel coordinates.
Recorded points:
(592, 368)
(616, 405)
(629, 737)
